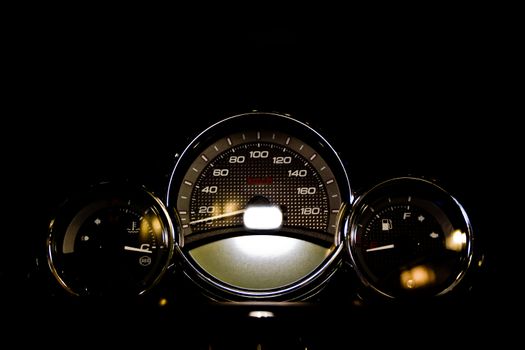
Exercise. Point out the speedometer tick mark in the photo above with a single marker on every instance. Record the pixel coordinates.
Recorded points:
(195, 170)
(301, 148)
(229, 141)
(287, 140)
(186, 182)
(258, 135)
(244, 137)
(323, 168)
(215, 148)
(204, 157)
(329, 181)
(313, 156)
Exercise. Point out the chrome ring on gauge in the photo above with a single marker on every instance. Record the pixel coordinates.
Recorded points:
(408, 237)
(113, 239)
(260, 197)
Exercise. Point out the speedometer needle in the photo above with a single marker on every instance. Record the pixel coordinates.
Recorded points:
(220, 216)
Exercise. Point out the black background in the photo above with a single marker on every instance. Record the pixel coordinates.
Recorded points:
(95, 98)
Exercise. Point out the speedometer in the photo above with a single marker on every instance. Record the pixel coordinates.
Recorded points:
(259, 168)
(259, 197)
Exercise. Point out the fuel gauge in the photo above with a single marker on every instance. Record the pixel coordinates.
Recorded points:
(409, 237)
(112, 239)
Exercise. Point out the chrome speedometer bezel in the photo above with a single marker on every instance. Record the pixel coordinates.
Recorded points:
(280, 123)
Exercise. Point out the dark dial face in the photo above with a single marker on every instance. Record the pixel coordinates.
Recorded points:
(110, 246)
(408, 245)
(116, 245)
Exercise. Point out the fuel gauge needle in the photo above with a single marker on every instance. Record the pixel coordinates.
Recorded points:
(383, 247)
(220, 216)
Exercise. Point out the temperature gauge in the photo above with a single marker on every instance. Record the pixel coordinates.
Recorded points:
(113, 239)
(409, 237)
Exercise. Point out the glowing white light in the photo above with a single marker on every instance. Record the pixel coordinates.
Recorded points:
(261, 314)
(265, 246)
(261, 217)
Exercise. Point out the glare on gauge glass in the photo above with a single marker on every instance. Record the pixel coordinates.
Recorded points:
(262, 217)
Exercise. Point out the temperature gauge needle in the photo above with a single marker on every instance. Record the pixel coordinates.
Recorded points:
(383, 247)
(220, 216)
(140, 250)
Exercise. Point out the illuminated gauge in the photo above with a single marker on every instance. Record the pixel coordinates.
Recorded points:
(409, 237)
(259, 197)
(113, 239)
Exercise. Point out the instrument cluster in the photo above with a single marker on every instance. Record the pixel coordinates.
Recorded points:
(259, 207)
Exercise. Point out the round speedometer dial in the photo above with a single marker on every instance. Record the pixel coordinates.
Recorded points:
(255, 168)
(259, 198)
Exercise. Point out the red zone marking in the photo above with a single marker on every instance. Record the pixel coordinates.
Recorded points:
(259, 180)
